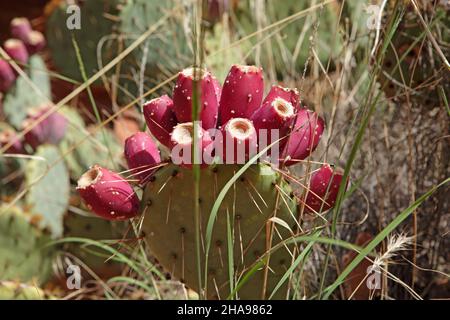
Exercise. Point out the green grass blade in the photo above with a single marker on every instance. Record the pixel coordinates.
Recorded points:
(117, 256)
(248, 275)
(230, 253)
(294, 265)
(444, 99)
(131, 281)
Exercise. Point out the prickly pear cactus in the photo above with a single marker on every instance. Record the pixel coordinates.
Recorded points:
(24, 251)
(22, 96)
(10, 290)
(95, 24)
(48, 196)
(259, 210)
(254, 199)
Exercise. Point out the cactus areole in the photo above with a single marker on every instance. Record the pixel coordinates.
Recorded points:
(236, 123)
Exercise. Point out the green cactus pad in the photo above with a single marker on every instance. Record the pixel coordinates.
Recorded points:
(96, 23)
(72, 136)
(168, 43)
(24, 255)
(170, 231)
(167, 48)
(22, 96)
(48, 196)
(93, 228)
(89, 151)
(289, 49)
(117, 24)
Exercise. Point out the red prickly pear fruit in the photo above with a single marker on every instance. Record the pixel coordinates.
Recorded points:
(36, 135)
(288, 94)
(20, 28)
(107, 194)
(182, 139)
(9, 137)
(182, 97)
(278, 114)
(50, 130)
(56, 125)
(305, 137)
(242, 92)
(160, 118)
(7, 76)
(16, 50)
(34, 42)
(239, 141)
(323, 189)
(142, 155)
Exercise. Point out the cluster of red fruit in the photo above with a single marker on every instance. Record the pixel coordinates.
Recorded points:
(232, 117)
